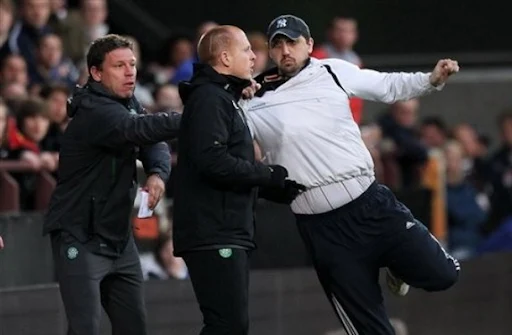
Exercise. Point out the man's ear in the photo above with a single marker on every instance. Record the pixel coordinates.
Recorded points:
(225, 58)
(311, 44)
(95, 73)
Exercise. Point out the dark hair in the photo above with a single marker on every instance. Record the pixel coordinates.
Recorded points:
(30, 107)
(102, 46)
(436, 122)
(49, 89)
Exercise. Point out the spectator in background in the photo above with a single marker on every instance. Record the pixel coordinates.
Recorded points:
(94, 15)
(342, 35)
(167, 97)
(475, 160)
(52, 64)
(13, 69)
(26, 33)
(399, 125)
(179, 56)
(434, 133)
(465, 216)
(24, 137)
(4, 152)
(68, 25)
(13, 94)
(6, 21)
(501, 175)
(259, 46)
(56, 98)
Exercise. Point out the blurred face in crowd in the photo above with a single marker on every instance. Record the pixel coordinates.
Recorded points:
(3, 120)
(36, 12)
(94, 12)
(506, 131)
(468, 138)
(36, 127)
(56, 5)
(432, 136)
(405, 112)
(343, 33)
(14, 91)
(118, 72)
(6, 20)
(168, 97)
(182, 51)
(454, 155)
(50, 50)
(57, 104)
(259, 47)
(14, 70)
(290, 55)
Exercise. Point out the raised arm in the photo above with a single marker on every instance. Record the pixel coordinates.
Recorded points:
(389, 87)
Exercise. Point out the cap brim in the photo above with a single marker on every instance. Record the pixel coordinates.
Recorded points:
(286, 32)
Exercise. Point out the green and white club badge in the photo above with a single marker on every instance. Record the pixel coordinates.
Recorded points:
(72, 253)
(225, 253)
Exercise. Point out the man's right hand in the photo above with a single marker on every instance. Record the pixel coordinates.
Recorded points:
(282, 195)
(278, 175)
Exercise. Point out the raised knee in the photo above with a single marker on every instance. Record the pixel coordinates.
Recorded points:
(444, 280)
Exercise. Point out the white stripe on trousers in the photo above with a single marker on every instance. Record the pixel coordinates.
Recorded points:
(349, 326)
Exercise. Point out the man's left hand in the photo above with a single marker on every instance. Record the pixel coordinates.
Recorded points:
(155, 186)
(444, 69)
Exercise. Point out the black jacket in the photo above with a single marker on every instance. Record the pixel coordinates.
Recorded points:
(216, 175)
(96, 184)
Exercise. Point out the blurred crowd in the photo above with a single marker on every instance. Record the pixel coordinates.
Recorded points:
(42, 58)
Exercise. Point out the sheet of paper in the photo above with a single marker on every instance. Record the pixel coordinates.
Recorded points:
(144, 211)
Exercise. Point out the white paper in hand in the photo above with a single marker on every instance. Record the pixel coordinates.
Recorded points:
(144, 211)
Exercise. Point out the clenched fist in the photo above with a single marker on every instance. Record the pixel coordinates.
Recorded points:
(444, 68)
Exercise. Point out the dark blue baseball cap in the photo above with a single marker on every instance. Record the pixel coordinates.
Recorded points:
(288, 25)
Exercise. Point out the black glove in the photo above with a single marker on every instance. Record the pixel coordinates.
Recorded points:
(278, 174)
(282, 195)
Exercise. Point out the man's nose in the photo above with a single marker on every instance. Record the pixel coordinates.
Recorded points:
(285, 49)
(130, 71)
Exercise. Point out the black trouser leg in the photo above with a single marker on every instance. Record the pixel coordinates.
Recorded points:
(122, 294)
(347, 269)
(418, 259)
(221, 286)
(79, 273)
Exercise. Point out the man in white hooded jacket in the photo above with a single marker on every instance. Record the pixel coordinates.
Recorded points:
(351, 225)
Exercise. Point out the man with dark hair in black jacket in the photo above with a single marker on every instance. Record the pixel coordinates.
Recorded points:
(95, 256)
(217, 180)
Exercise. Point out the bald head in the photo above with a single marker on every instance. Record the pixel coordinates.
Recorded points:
(228, 51)
(216, 41)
